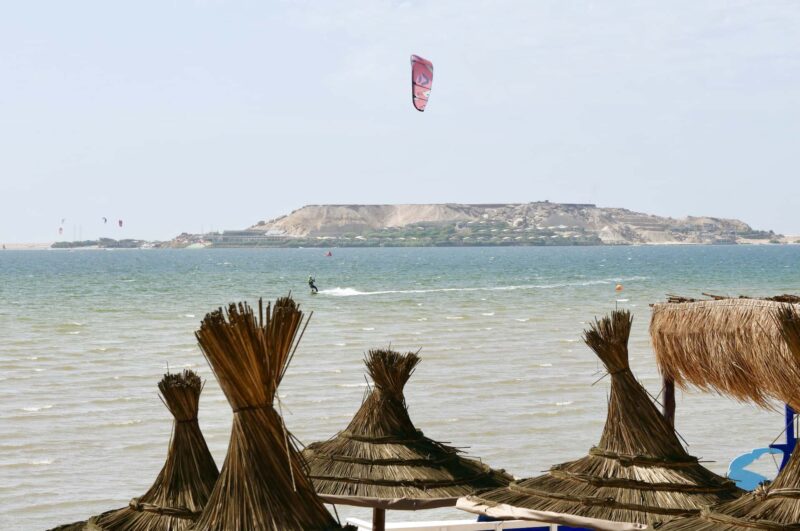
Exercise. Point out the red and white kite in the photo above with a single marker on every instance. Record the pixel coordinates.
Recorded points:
(421, 81)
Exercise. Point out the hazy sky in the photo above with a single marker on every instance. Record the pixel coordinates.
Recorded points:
(177, 116)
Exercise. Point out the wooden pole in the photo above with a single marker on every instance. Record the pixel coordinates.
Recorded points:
(669, 400)
(378, 519)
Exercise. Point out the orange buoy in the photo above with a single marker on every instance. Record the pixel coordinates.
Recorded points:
(618, 288)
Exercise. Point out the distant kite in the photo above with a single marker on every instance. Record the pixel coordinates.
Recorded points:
(119, 223)
(105, 220)
(60, 230)
(421, 81)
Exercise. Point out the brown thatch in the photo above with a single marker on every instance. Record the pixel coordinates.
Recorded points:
(774, 507)
(639, 473)
(382, 461)
(183, 486)
(731, 346)
(75, 526)
(263, 485)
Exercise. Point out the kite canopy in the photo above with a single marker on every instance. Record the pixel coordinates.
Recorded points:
(421, 81)
(731, 346)
(638, 475)
(775, 506)
(382, 461)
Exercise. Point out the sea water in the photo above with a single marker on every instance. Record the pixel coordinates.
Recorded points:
(86, 335)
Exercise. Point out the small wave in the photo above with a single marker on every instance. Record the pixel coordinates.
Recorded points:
(32, 408)
(545, 365)
(320, 371)
(488, 314)
(188, 315)
(340, 344)
(74, 333)
(127, 422)
(40, 462)
(454, 317)
(422, 319)
(362, 384)
(368, 329)
(567, 403)
(128, 280)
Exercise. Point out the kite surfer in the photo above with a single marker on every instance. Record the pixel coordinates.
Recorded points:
(312, 285)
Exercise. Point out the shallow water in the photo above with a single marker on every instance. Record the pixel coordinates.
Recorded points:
(86, 336)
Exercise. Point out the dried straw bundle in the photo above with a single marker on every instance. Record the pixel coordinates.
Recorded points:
(182, 487)
(263, 484)
(184, 484)
(75, 526)
(732, 346)
(774, 507)
(382, 461)
(637, 475)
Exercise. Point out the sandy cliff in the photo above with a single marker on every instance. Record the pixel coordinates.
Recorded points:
(521, 223)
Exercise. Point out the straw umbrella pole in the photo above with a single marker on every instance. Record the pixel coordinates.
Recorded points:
(638, 475)
(771, 507)
(383, 462)
(262, 485)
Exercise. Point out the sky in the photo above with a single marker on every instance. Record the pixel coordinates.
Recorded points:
(196, 115)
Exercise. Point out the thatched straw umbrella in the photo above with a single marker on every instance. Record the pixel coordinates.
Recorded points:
(184, 484)
(263, 485)
(182, 487)
(637, 475)
(382, 461)
(773, 507)
(732, 346)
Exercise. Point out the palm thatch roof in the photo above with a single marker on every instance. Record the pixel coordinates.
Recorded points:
(638, 474)
(184, 484)
(382, 461)
(263, 484)
(775, 506)
(731, 346)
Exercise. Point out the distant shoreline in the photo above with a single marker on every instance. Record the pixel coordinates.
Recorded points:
(791, 240)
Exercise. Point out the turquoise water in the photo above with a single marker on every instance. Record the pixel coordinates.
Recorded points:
(87, 334)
